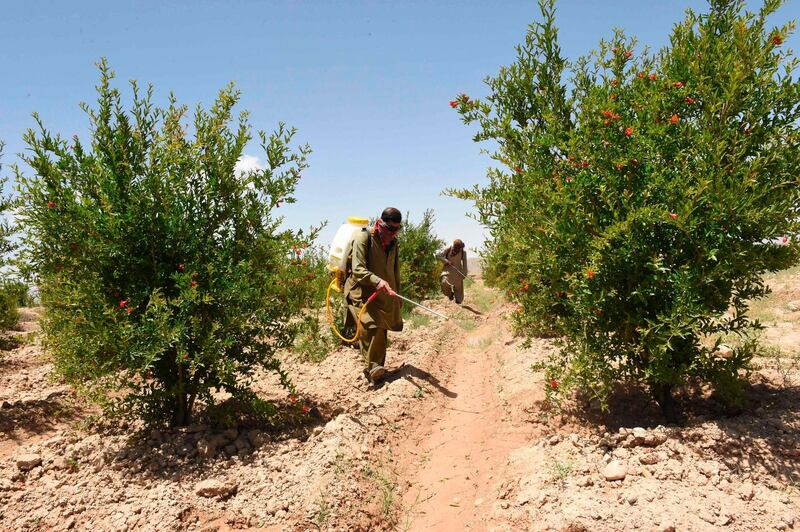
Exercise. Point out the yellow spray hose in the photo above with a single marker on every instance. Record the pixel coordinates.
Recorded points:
(330, 313)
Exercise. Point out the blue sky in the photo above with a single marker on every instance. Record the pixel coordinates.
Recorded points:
(366, 83)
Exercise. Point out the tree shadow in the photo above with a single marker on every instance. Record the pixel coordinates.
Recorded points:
(172, 453)
(37, 416)
(410, 372)
(763, 435)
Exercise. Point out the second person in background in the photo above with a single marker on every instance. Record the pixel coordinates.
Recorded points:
(454, 271)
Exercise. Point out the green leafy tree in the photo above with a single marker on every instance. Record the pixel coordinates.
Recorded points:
(419, 268)
(8, 296)
(162, 268)
(636, 207)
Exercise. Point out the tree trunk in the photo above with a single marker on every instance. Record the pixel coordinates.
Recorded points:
(664, 398)
(182, 413)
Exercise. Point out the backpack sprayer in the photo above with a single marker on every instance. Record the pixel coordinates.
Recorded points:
(338, 265)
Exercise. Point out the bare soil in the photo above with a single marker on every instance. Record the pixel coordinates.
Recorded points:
(458, 437)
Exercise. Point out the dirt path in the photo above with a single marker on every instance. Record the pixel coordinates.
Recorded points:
(458, 457)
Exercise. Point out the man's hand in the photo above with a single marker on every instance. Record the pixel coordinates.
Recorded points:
(384, 286)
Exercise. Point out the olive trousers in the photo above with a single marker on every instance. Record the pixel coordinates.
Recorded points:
(373, 347)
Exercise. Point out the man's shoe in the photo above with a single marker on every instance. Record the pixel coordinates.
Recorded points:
(377, 373)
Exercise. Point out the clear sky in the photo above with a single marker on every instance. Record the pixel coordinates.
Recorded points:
(366, 83)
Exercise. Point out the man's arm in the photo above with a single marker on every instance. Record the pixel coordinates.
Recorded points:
(360, 271)
(442, 255)
(464, 262)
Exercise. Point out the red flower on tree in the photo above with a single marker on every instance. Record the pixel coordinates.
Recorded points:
(305, 409)
(674, 119)
(652, 77)
(777, 40)
(123, 303)
(673, 215)
(181, 267)
(453, 103)
(293, 398)
(628, 54)
(641, 74)
(590, 273)
(678, 84)
(690, 100)
(51, 204)
(194, 283)
(628, 131)
(554, 384)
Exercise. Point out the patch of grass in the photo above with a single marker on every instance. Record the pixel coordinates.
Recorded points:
(341, 464)
(773, 308)
(323, 512)
(9, 343)
(559, 471)
(418, 319)
(482, 298)
(387, 493)
(483, 344)
(315, 340)
(784, 363)
(467, 324)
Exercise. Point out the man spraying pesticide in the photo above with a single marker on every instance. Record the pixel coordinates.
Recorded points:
(454, 271)
(368, 274)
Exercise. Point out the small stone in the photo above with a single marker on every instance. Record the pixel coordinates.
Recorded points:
(708, 517)
(504, 505)
(615, 470)
(632, 498)
(554, 440)
(654, 439)
(257, 438)
(709, 468)
(793, 306)
(478, 502)
(60, 463)
(231, 434)
(723, 351)
(206, 448)
(652, 458)
(241, 444)
(26, 462)
(456, 501)
(215, 488)
(746, 491)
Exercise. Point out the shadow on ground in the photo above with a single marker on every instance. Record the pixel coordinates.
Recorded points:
(412, 373)
(37, 416)
(763, 434)
(172, 453)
